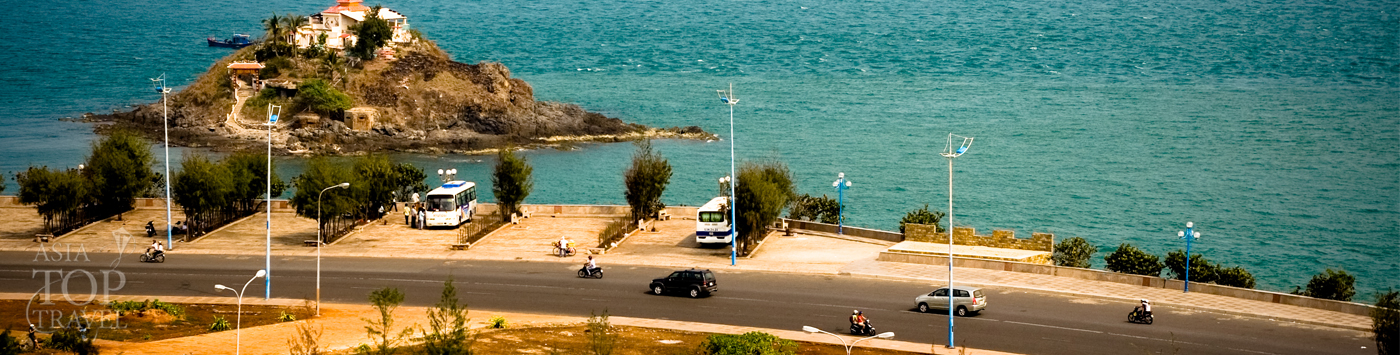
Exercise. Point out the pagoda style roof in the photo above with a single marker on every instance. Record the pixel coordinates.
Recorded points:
(245, 65)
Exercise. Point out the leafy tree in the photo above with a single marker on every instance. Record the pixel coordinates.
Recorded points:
(1234, 276)
(372, 33)
(763, 191)
(55, 193)
(646, 180)
(1201, 269)
(384, 301)
(320, 173)
(410, 179)
(1073, 252)
(447, 325)
(1385, 322)
(119, 169)
(1131, 260)
(201, 187)
(823, 209)
(2, 183)
(511, 181)
(1330, 284)
(247, 172)
(751, 343)
(377, 179)
(317, 95)
(923, 216)
(9, 345)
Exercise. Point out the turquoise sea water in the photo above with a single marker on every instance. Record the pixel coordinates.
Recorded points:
(1273, 125)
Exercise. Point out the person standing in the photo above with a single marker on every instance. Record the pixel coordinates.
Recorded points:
(422, 219)
(33, 339)
(407, 215)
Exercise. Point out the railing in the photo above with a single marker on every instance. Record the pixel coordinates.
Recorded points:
(337, 227)
(64, 222)
(202, 223)
(614, 232)
(480, 227)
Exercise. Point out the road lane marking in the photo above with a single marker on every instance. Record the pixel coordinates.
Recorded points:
(1136, 336)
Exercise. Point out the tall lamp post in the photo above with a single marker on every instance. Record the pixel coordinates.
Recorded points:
(272, 112)
(447, 175)
(165, 122)
(1188, 235)
(811, 329)
(728, 98)
(841, 185)
(950, 152)
(321, 239)
(238, 331)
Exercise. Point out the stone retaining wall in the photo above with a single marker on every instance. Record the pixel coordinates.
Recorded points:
(968, 236)
(585, 210)
(847, 230)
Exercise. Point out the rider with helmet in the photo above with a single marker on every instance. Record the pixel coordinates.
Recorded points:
(858, 321)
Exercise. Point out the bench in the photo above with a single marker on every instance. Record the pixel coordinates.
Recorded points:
(309, 242)
(461, 246)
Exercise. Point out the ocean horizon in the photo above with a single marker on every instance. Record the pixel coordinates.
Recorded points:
(1274, 126)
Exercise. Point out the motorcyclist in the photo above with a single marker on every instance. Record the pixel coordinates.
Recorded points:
(1144, 306)
(859, 321)
(592, 265)
(150, 229)
(156, 249)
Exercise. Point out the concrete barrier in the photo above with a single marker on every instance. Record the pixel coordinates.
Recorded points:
(585, 210)
(847, 230)
(1136, 280)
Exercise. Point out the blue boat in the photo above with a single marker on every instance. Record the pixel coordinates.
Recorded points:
(238, 41)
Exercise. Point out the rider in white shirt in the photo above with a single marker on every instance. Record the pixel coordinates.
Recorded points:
(592, 265)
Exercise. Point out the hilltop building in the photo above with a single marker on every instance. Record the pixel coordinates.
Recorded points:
(335, 22)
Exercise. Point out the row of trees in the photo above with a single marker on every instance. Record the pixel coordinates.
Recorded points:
(115, 173)
(1076, 252)
(374, 183)
(215, 192)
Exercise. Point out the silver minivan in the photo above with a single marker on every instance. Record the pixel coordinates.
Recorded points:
(966, 299)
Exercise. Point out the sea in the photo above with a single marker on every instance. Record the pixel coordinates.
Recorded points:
(1272, 125)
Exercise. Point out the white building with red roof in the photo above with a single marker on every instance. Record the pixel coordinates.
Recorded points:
(335, 22)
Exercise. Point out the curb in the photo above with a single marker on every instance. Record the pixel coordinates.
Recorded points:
(230, 224)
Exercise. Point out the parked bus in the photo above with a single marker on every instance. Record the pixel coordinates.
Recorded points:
(450, 205)
(712, 223)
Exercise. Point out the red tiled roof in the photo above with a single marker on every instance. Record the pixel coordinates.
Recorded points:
(241, 65)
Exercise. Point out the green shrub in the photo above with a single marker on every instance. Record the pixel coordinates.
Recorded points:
(762, 191)
(1385, 322)
(68, 339)
(822, 209)
(646, 180)
(1131, 260)
(172, 309)
(751, 343)
(601, 335)
(1201, 269)
(273, 68)
(923, 216)
(614, 231)
(1074, 252)
(498, 322)
(286, 317)
(511, 181)
(1234, 276)
(220, 324)
(317, 95)
(1330, 284)
(9, 345)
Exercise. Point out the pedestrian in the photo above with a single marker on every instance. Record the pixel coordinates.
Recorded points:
(395, 203)
(422, 219)
(82, 331)
(33, 339)
(407, 215)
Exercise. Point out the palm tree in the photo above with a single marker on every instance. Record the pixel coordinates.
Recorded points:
(292, 22)
(273, 25)
(331, 63)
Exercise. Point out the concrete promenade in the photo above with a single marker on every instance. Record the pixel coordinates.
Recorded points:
(670, 245)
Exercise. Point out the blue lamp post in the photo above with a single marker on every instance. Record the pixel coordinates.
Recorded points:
(728, 98)
(952, 151)
(841, 185)
(165, 123)
(272, 112)
(1188, 235)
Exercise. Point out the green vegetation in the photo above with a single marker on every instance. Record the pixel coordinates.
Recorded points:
(822, 209)
(373, 33)
(511, 181)
(1330, 284)
(119, 170)
(316, 95)
(1131, 260)
(321, 173)
(646, 180)
(1201, 269)
(1234, 276)
(9, 345)
(68, 339)
(447, 332)
(307, 341)
(763, 191)
(498, 322)
(273, 68)
(751, 343)
(614, 232)
(1385, 322)
(923, 216)
(57, 194)
(602, 337)
(380, 330)
(248, 177)
(286, 317)
(377, 180)
(127, 307)
(220, 324)
(1074, 252)
(201, 187)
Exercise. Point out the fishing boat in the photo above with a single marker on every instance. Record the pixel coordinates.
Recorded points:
(238, 41)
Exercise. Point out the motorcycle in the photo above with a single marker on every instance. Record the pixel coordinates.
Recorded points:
(594, 273)
(1139, 316)
(147, 258)
(862, 329)
(150, 229)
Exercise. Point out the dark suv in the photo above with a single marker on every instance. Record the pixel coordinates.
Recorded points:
(693, 282)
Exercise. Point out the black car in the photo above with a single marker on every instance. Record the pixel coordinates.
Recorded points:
(693, 282)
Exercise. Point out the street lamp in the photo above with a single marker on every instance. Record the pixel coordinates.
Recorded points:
(811, 329)
(165, 122)
(841, 185)
(1188, 235)
(238, 331)
(728, 98)
(320, 239)
(447, 175)
(272, 112)
(950, 151)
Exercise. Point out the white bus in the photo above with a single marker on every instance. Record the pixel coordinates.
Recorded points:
(450, 205)
(712, 223)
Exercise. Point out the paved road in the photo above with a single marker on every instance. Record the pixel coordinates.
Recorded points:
(1017, 321)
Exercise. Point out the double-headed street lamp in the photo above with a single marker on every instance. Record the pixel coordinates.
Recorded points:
(238, 331)
(811, 329)
(841, 185)
(165, 122)
(321, 239)
(1188, 235)
(950, 152)
(447, 175)
(728, 98)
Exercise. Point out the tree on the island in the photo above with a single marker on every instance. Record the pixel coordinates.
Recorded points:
(273, 27)
(447, 332)
(646, 180)
(511, 181)
(1385, 322)
(202, 188)
(763, 191)
(290, 23)
(1073, 252)
(320, 97)
(1201, 269)
(321, 173)
(1330, 284)
(371, 34)
(1129, 259)
(119, 169)
(57, 194)
(822, 209)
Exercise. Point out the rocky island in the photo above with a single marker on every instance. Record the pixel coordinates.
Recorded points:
(354, 79)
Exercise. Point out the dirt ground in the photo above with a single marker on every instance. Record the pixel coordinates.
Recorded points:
(151, 325)
(574, 339)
